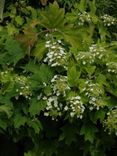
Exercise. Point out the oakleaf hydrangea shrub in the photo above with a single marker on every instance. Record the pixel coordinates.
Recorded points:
(58, 82)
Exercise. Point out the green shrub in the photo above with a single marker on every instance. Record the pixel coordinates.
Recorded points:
(58, 74)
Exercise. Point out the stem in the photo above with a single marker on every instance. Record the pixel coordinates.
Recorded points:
(2, 2)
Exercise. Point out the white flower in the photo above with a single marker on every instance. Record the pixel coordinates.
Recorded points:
(72, 114)
(46, 114)
(66, 108)
(93, 99)
(83, 62)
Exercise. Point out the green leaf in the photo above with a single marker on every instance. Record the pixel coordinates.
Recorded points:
(14, 51)
(82, 5)
(98, 115)
(30, 153)
(47, 90)
(44, 74)
(102, 31)
(35, 124)
(90, 69)
(53, 17)
(32, 67)
(82, 84)
(110, 89)
(73, 76)
(3, 124)
(73, 37)
(19, 120)
(68, 134)
(6, 109)
(92, 7)
(19, 20)
(39, 50)
(48, 146)
(89, 132)
(101, 79)
(93, 11)
(12, 29)
(41, 73)
(36, 106)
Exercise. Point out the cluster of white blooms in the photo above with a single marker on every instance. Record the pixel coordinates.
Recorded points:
(23, 87)
(56, 55)
(108, 20)
(20, 82)
(112, 67)
(94, 93)
(97, 51)
(95, 48)
(75, 107)
(85, 58)
(53, 108)
(60, 85)
(89, 57)
(84, 17)
(111, 122)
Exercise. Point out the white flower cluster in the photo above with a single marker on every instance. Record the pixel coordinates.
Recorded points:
(85, 58)
(89, 57)
(84, 17)
(60, 85)
(21, 82)
(23, 87)
(56, 55)
(97, 51)
(112, 67)
(94, 93)
(53, 108)
(108, 20)
(111, 122)
(75, 107)
(95, 48)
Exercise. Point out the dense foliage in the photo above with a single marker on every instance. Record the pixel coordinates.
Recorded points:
(58, 78)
